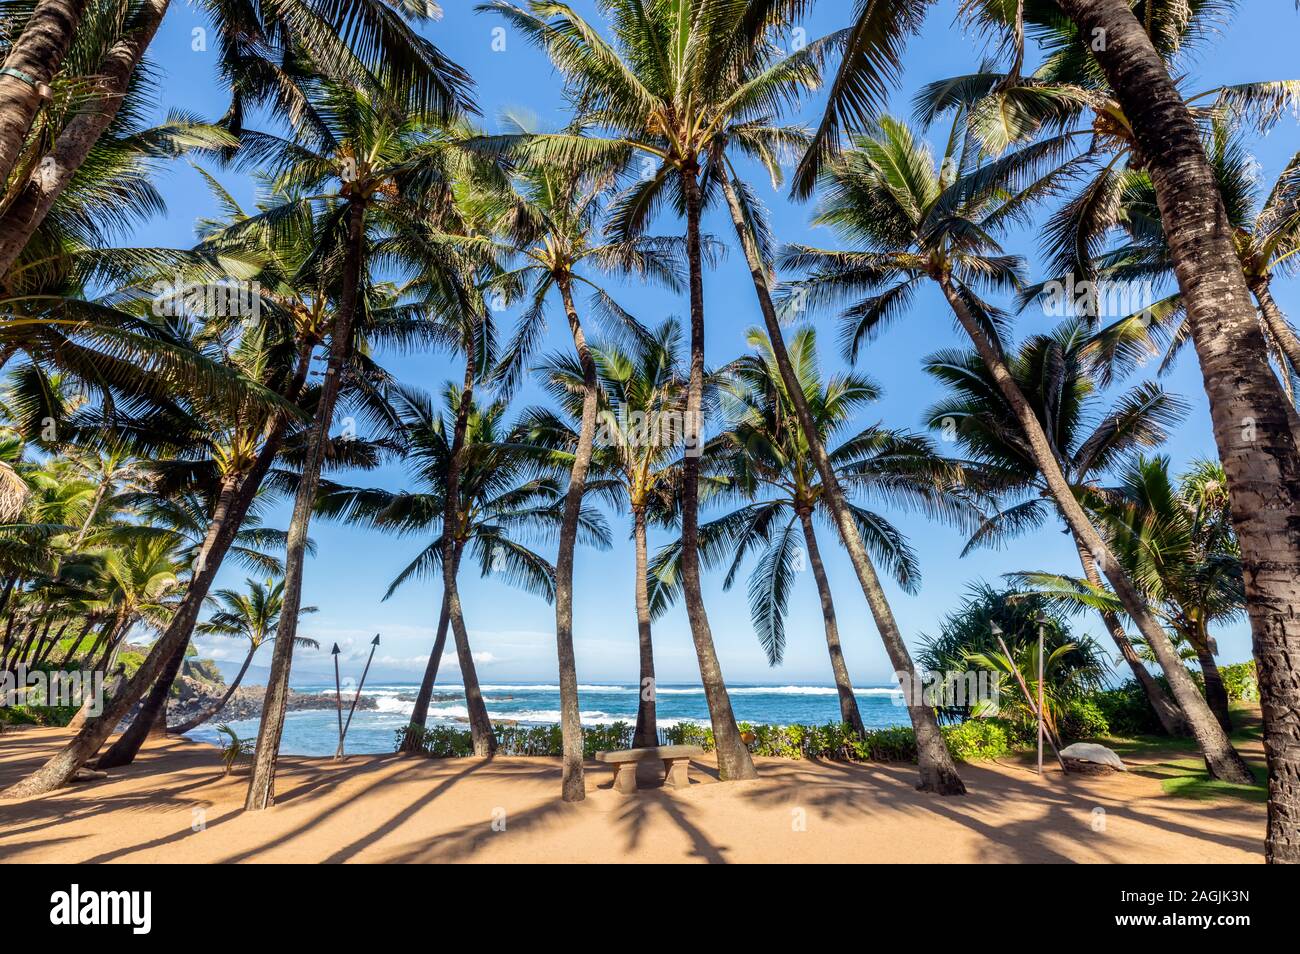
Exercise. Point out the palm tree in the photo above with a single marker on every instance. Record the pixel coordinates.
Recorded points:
(367, 162)
(504, 502)
(225, 453)
(252, 615)
(1261, 459)
(1266, 235)
(1177, 542)
(549, 219)
(1089, 437)
(677, 75)
(637, 453)
(1263, 464)
(914, 221)
(344, 42)
(138, 584)
(763, 459)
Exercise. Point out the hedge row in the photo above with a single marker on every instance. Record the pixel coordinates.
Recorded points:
(977, 739)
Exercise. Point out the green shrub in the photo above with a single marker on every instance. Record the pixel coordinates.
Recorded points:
(1127, 711)
(688, 733)
(977, 739)
(1241, 681)
(1083, 719)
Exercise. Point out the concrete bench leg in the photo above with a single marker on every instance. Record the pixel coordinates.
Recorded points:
(677, 773)
(625, 777)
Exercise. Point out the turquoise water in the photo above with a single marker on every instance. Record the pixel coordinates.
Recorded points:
(315, 732)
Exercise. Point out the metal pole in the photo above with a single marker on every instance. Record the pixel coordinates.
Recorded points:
(374, 644)
(338, 691)
(1024, 688)
(1040, 697)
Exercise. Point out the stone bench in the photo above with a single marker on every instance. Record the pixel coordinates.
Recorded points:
(676, 759)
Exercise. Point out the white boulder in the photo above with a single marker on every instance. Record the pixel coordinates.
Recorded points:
(1092, 752)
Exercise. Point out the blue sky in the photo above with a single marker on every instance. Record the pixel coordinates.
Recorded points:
(513, 633)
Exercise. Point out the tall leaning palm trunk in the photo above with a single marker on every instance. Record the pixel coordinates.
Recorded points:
(1167, 712)
(261, 786)
(734, 761)
(480, 725)
(32, 62)
(153, 712)
(646, 732)
(420, 709)
(1221, 759)
(849, 713)
(24, 215)
(572, 786)
(937, 768)
(191, 724)
(1255, 433)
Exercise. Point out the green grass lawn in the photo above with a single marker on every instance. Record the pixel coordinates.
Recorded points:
(1186, 777)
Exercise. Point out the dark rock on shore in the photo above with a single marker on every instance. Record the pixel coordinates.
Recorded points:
(192, 696)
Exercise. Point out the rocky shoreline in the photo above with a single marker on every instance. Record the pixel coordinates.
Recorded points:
(198, 689)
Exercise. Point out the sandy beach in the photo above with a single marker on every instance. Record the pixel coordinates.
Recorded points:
(174, 805)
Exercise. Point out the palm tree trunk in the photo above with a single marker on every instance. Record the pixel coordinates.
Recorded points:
(734, 761)
(76, 643)
(1216, 693)
(203, 717)
(261, 785)
(48, 180)
(1171, 719)
(90, 517)
(1276, 322)
(32, 62)
(1254, 432)
(153, 712)
(48, 648)
(111, 644)
(1221, 759)
(572, 786)
(480, 725)
(937, 768)
(849, 713)
(8, 634)
(420, 711)
(647, 726)
(5, 593)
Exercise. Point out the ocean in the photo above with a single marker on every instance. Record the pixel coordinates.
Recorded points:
(315, 731)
